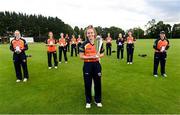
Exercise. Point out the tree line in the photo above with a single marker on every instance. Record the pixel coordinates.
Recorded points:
(38, 26)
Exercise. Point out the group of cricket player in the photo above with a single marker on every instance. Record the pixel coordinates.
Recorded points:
(88, 52)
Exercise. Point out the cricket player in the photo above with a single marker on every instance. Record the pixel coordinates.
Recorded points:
(130, 40)
(161, 45)
(62, 48)
(18, 46)
(120, 46)
(73, 45)
(92, 67)
(79, 42)
(51, 51)
(68, 42)
(108, 45)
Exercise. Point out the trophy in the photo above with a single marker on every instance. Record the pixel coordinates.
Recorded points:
(51, 43)
(162, 48)
(98, 44)
(120, 44)
(17, 49)
(130, 42)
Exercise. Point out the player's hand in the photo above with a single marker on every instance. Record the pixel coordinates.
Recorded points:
(98, 55)
(163, 51)
(18, 51)
(50, 44)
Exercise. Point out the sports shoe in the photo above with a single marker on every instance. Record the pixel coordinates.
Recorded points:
(155, 75)
(49, 67)
(60, 62)
(128, 63)
(88, 105)
(25, 80)
(55, 67)
(17, 81)
(164, 75)
(66, 62)
(98, 104)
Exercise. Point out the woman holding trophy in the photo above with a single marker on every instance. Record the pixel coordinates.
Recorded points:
(161, 46)
(73, 45)
(51, 50)
(68, 42)
(120, 46)
(62, 48)
(108, 44)
(130, 47)
(18, 46)
(91, 51)
(79, 42)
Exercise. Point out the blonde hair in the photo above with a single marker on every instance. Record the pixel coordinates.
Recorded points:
(61, 34)
(18, 32)
(120, 35)
(87, 28)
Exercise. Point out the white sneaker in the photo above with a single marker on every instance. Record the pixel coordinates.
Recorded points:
(49, 67)
(55, 67)
(164, 75)
(17, 81)
(66, 62)
(60, 62)
(99, 104)
(25, 80)
(130, 63)
(88, 105)
(155, 75)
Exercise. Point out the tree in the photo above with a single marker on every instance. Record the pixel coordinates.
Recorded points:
(36, 26)
(81, 32)
(138, 33)
(176, 31)
(76, 31)
(154, 29)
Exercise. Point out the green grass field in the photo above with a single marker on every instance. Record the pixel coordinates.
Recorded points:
(125, 88)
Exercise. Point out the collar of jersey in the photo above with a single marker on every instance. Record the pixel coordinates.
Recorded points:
(89, 42)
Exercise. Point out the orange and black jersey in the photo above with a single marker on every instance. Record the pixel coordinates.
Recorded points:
(120, 41)
(62, 42)
(130, 40)
(79, 40)
(73, 41)
(21, 43)
(158, 44)
(51, 48)
(89, 50)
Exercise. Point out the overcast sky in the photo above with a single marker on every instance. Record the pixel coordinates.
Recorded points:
(121, 13)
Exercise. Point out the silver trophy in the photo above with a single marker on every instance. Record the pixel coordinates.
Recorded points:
(98, 43)
(17, 49)
(163, 48)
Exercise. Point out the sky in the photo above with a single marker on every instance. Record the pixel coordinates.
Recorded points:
(105, 13)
